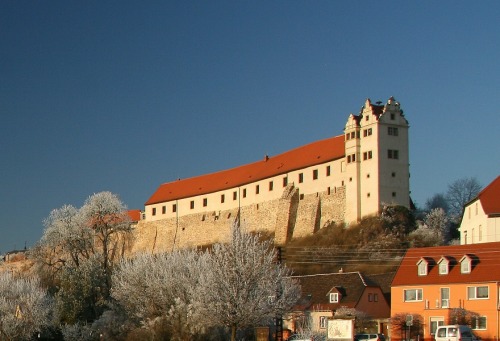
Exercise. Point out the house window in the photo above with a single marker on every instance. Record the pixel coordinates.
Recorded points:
(465, 261)
(205, 202)
(422, 268)
(154, 211)
(478, 293)
(257, 189)
(315, 174)
(163, 209)
(301, 178)
(222, 198)
(375, 297)
(328, 170)
(393, 131)
(445, 297)
(235, 195)
(393, 154)
(174, 208)
(479, 322)
(191, 205)
(271, 185)
(323, 322)
(244, 192)
(370, 298)
(443, 268)
(413, 295)
(334, 297)
(285, 181)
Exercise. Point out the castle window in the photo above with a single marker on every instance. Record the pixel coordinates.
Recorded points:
(353, 134)
(244, 192)
(393, 174)
(205, 202)
(163, 209)
(393, 154)
(235, 195)
(315, 174)
(368, 195)
(368, 175)
(328, 170)
(393, 116)
(301, 197)
(285, 181)
(367, 118)
(271, 185)
(174, 208)
(328, 190)
(392, 131)
(257, 189)
(347, 136)
(154, 211)
(301, 178)
(222, 198)
(367, 132)
(393, 194)
(348, 158)
(191, 205)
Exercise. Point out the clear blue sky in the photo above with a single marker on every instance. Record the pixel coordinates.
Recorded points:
(123, 96)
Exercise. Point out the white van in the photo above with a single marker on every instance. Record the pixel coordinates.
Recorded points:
(455, 333)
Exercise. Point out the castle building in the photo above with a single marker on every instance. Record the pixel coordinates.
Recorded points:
(340, 179)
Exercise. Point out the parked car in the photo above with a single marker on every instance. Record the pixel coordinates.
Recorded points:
(369, 337)
(455, 332)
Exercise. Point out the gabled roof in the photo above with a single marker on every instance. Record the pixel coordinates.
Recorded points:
(311, 154)
(490, 197)
(315, 290)
(485, 260)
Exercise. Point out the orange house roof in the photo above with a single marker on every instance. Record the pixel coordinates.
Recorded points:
(485, 262)
(490, 197)
(311, 154)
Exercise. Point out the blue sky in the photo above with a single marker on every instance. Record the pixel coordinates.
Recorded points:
(123, 96)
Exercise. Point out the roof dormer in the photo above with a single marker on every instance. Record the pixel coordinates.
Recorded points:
(334, 295)
(423, 267)
(466, 264)
(444, 265)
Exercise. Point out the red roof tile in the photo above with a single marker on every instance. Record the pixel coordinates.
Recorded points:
(490, 197)
(485, 256)
(135, 215)
(308, 155)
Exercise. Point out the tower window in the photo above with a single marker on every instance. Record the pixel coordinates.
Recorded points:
(392, 131)
(393, 194)
(393, 154)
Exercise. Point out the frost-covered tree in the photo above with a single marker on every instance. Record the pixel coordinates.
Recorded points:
(25, 307)
(243, 285)
(162, 289)
(437, 221)
(99, 229)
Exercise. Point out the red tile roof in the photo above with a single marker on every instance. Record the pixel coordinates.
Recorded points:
(485, 262)
(301, 157)
(135, 215)
(490, 197)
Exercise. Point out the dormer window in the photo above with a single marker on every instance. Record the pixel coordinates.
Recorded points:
(334, 297)
(465, 264)
(422, 266)
(443, 266)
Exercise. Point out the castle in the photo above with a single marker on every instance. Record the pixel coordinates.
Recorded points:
(340, 179)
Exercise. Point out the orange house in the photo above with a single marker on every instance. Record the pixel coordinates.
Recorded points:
(433, 282)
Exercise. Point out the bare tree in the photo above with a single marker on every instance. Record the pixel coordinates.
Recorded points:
(25, 308)
(438, 200)
(459, 193)
(243, 285)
